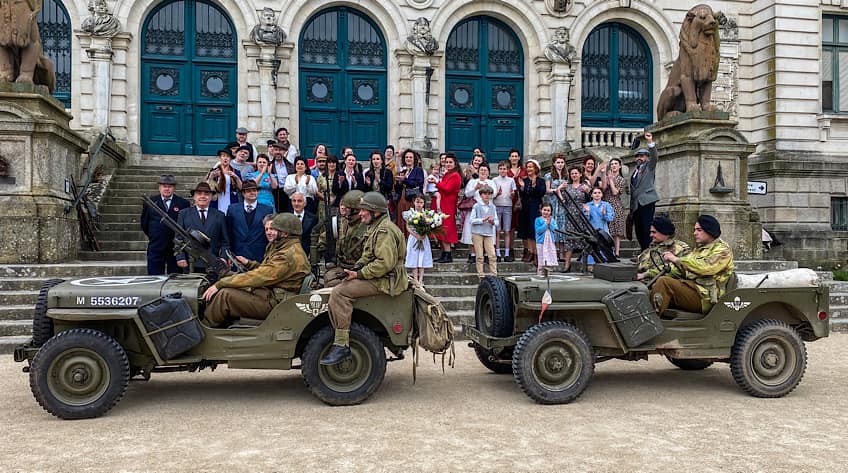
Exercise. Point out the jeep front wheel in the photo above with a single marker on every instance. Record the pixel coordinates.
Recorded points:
(768, 359)
(553, 362)
(351, 381)
(79, 374)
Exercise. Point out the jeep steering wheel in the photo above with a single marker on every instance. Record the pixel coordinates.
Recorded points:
(663, 267)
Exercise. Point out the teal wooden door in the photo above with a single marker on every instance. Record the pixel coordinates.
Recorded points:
(616, 78)
(485, 89)
(342, 58)
(188, 79)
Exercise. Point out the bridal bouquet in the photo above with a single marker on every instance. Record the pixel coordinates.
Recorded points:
(425, 223)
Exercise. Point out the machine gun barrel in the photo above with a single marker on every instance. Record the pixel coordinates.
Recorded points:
(190, 244)
(329, 235)
(600, 245)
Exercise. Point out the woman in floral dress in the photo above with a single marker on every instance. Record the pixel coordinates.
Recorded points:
(614, 185)
(556, 181)
(577, 187)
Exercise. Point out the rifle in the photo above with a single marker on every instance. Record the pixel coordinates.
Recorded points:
(329, 230)
(598, 242)
(193, 242)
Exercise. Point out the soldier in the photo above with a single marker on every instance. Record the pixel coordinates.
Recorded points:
(379, 270)
(253, 294)
(160, 246)
(703, 272)
(351, 236)
(662, 240)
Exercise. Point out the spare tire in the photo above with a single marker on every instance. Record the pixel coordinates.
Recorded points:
(42, 325)
(493, 308)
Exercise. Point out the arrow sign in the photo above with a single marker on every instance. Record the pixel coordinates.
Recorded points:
(757, 187)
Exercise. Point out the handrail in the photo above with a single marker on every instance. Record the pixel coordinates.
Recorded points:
(94, 151)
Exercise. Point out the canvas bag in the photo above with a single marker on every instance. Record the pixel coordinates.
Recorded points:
(433, 330)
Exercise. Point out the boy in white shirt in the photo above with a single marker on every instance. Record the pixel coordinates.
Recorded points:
(504, 192)
(484, 224)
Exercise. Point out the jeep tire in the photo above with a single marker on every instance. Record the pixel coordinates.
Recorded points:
(768, 358)
(688, 364)
(493, 308)
(502, 364)
(79, 374)
(42, 325)
(553, 362)
(352, 381)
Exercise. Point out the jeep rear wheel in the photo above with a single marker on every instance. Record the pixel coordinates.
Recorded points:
(351, 381)
(493, 308)
(768, 359)
(42, 325)
(553, 362)
(689, 364)
(79, 374)
(500, 363)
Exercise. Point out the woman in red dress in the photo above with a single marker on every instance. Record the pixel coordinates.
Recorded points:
(517, 172)
(449, 188)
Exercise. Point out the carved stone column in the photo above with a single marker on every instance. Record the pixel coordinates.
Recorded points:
(422, 72)
(100, 53)
(561, 78)
(268, 64)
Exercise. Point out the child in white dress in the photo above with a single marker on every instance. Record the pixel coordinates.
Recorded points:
(417, 259)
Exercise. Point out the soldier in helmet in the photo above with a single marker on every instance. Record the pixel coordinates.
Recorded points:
(351, 235)
(253, 294)
(379, 270)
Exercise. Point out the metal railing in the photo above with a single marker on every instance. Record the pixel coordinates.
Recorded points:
(613, 137)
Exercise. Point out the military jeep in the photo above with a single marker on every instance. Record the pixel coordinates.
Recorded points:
(593, 318)
(89, 340)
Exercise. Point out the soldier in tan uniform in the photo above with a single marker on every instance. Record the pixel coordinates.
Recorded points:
(379, 270)
(662, 240)
(351, 235)
(704, 272)
(253, 294)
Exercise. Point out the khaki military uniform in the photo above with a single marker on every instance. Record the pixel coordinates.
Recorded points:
(253, 294)
(703, 280)
(348, 249)
(381, 271)
(655, 252)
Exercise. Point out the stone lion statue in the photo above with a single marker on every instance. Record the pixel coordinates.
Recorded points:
(690, 82)
(22, 57)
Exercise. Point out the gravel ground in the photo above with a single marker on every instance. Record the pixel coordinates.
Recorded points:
(643, 416)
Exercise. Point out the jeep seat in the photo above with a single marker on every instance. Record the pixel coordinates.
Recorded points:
(246, 322)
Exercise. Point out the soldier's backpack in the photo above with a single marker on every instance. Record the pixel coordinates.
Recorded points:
(433, 329)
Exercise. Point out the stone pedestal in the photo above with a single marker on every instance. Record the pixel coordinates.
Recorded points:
(42, 154)
(561, 76)
(268, 64)
(703, 169)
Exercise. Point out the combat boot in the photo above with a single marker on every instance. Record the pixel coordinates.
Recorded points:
(336, 355)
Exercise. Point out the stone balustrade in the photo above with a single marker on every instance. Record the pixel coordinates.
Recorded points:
(615, 137)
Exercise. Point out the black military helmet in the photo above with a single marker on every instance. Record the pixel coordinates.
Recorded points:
(287, 223)
(375, 202)
(352, 198)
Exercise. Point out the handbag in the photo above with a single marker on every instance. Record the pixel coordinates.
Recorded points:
(466, 204)
(409, 194)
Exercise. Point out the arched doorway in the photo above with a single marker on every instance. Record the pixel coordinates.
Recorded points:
(54, 27)
(484, 89)
(342, 61)
(188, 79)
(617, 88)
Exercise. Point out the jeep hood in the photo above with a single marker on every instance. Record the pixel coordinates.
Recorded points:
(121, 291)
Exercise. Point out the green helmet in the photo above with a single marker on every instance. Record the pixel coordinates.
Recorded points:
(287, 223)
(375, 202)
(352, 198)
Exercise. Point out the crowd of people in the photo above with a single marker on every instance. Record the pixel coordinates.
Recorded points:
(235, 207)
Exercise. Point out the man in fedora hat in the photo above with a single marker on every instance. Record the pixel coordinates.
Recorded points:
(212, 222)
(244, 223)
(160, 239)
(643, 194)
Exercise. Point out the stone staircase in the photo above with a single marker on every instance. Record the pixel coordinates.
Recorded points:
(123, 253)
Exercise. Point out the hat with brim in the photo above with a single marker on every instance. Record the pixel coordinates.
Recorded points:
(241, 130)
(249, 185)
(534, 162)
(225, 152)
(244, 148)
(167, 179)
(273, 144)
(202, 187)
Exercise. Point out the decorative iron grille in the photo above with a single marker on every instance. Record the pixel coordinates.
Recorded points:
(54, 25)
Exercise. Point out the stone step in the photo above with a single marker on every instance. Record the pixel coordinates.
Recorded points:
(132, 218)
(121, 235)
(158, 161)
(127, 256)
(21, 284)
(837, 286)
(105, 227)
(839, 325)
(70, 269)
(17, 312)
(838, 311)
(8, 344)
(17, 297)
(458, 303)
(838, 299)
(15, 327)
(442, 291)
(123, 245)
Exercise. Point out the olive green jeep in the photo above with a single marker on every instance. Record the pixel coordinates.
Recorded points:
(759, 331)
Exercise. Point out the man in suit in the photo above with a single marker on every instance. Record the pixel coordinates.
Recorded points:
(307, 219)
(282, 168)
(643, 194)
(160, 244)
(244, 224)
(212, 222)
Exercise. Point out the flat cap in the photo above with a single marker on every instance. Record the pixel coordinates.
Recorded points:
(241, 129)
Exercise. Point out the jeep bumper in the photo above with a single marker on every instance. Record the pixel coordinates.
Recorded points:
(487, 341)
(24, 352)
